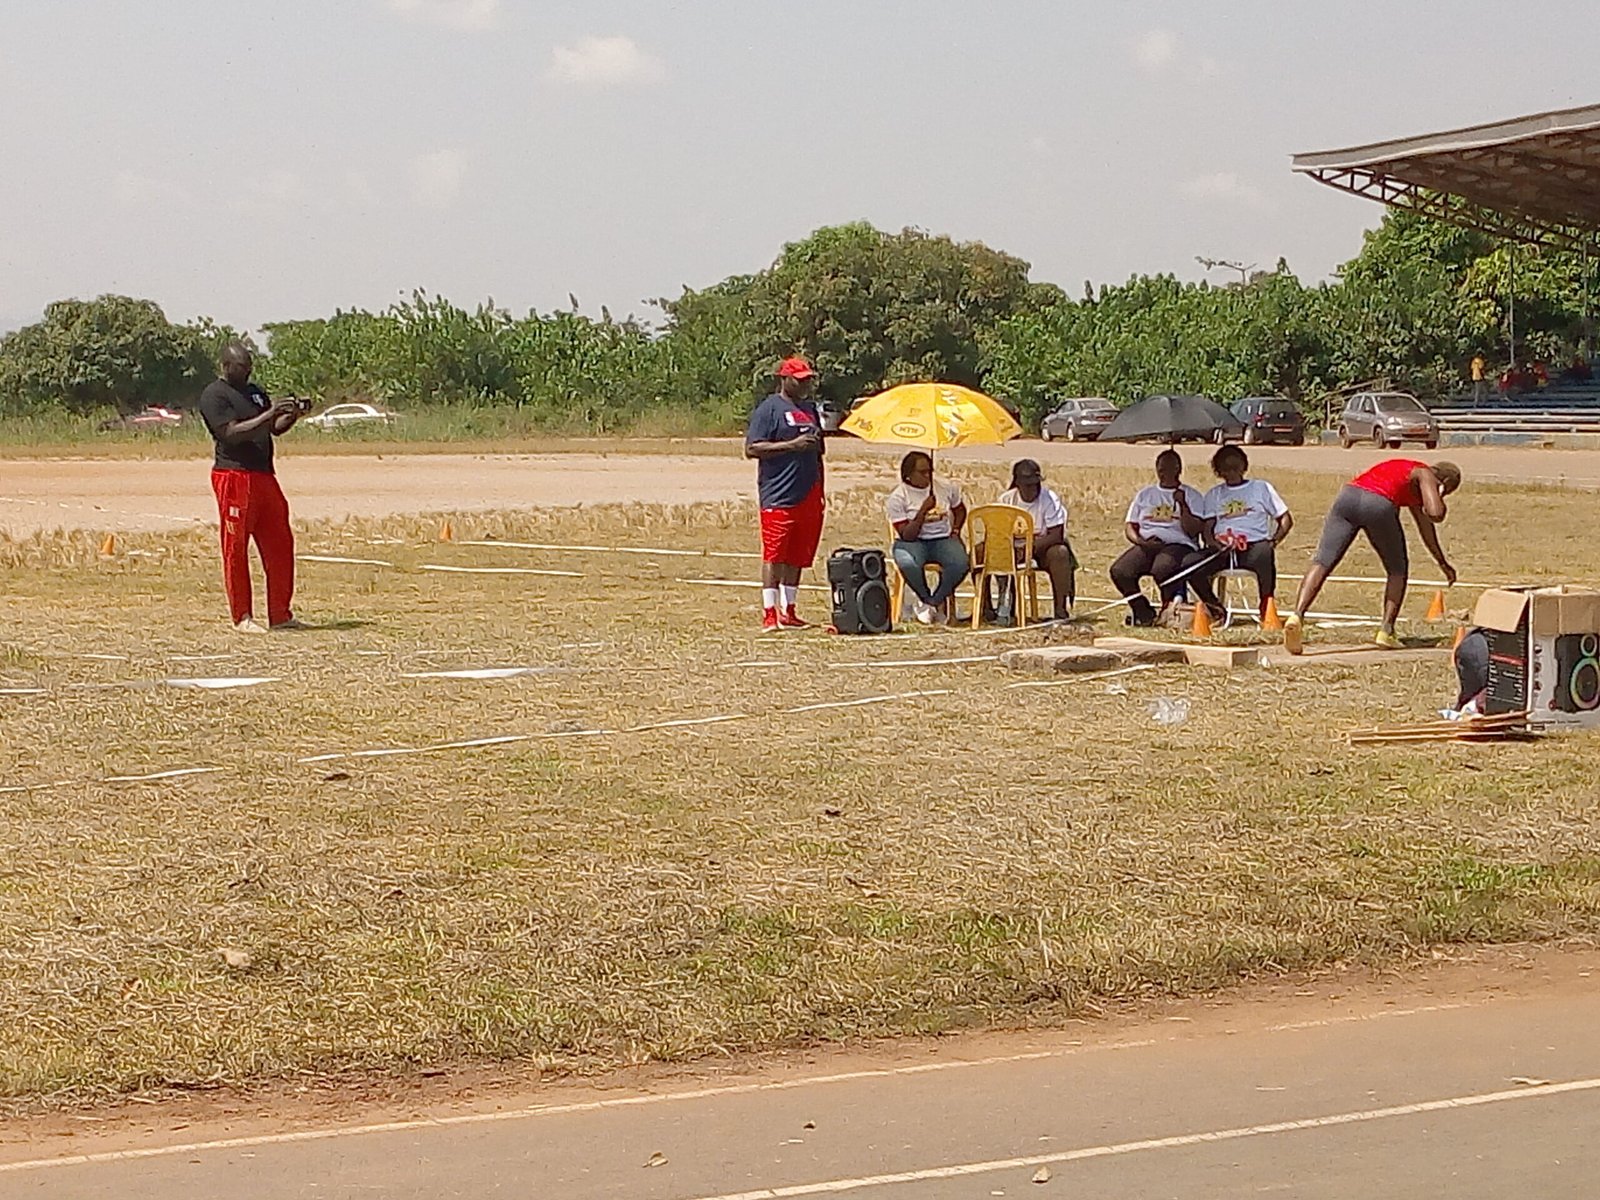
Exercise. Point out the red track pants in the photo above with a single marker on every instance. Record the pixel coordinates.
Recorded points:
(252, 505)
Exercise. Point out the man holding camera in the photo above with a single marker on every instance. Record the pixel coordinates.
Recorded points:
(243, 420)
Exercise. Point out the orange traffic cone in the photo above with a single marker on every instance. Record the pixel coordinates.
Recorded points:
(447, 531)
(1461, 636)
(1436, 609)
(1270, 620)
(109, 546)
(1201, 626)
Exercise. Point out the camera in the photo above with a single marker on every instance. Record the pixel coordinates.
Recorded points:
(301, 403)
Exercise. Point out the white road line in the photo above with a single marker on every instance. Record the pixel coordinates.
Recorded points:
(556, 1110)
(961, 1170)
(654, 1098)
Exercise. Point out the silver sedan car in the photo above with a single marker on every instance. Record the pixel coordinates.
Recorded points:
(1386, 419)
(1078, 420)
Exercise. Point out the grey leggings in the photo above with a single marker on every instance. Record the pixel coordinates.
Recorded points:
(1359, 511)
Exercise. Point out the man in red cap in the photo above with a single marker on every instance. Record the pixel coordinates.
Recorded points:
(785, 438)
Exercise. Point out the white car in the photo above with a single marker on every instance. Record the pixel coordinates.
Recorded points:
(341, 415)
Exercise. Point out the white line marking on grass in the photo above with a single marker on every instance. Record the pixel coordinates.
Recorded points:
(333, 558)
(500, 571)
(21, 691)
(1042, 683)
(222, 683)
(804, 708)
(741, 554)
(475, 673)
(689, 721)
(919, 662)
(962, 1170)
(749, 583)
(179, 773)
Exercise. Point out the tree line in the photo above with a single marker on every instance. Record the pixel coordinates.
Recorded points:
(871, 309)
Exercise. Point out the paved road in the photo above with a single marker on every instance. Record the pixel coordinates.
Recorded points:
(128, 495)
(1475, 1097)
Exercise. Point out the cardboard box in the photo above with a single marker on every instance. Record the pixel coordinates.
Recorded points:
(1544, 653)
(1550, 610)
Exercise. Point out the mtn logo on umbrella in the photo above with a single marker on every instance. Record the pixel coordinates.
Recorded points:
(934, 416)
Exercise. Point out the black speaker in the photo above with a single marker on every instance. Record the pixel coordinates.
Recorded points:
(1577, 672)
(860, 595)
(1508, 671)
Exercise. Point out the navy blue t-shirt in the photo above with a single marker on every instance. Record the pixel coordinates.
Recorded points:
(784, 480)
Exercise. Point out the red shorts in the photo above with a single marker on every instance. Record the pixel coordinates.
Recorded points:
(790, 535)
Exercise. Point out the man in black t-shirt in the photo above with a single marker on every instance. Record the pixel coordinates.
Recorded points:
(243, 420)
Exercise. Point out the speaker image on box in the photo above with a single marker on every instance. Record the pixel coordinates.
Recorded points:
(860, 594)
(1577, 682)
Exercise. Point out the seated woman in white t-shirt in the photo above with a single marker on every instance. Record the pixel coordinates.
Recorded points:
(1052, 553)
(1163, 528)
(1245, 519)
(927, 515)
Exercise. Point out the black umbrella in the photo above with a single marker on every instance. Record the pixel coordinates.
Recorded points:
(1172, 419)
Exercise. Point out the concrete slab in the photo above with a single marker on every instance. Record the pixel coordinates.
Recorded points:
(1196, 655)
(1073, 660)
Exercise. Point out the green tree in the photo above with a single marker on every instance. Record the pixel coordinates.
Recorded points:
(871, 309)
(114, 351)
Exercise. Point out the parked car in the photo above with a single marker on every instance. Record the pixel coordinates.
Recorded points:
(1078, 420)
(1270, 420)
(832, 415)
(1387, 419)
(339, 416)
(154, 417)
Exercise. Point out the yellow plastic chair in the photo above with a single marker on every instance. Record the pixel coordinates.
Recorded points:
(994, 528)
(897, 581)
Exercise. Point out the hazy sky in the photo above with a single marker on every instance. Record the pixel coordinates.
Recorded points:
(281, 158)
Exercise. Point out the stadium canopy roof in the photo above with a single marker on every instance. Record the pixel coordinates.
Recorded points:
(1536, 179)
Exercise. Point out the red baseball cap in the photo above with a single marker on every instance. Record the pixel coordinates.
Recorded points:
(795, 368)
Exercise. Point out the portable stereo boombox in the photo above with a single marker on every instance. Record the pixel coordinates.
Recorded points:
(860, 591)
(1544, 653)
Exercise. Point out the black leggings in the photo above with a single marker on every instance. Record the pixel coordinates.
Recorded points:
(1259, 558)
(1357, 510)
(1135, 563)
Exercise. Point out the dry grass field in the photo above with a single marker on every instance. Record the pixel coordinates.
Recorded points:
(611, 888)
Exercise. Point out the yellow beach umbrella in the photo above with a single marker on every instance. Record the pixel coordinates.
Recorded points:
(932, 416)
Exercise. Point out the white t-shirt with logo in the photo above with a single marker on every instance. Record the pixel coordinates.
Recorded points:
(1047, 509)
(1250, 509)
(1155, 512)
(904, 501)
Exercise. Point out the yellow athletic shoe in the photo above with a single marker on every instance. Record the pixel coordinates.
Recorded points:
(1386, 640)
(1293, 638)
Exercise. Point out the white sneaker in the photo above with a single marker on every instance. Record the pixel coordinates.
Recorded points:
(249, 625)
(924, 613)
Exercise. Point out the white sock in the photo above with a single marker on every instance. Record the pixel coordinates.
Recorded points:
(791, 593)
(769, 597)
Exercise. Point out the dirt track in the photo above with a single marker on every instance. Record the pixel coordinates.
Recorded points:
(129, 495)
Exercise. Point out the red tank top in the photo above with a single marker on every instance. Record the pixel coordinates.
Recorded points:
(1392, 480)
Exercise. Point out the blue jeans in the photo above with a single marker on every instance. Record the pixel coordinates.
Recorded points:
(912, 558)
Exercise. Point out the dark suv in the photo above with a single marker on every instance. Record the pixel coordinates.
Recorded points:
(1271, 420)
